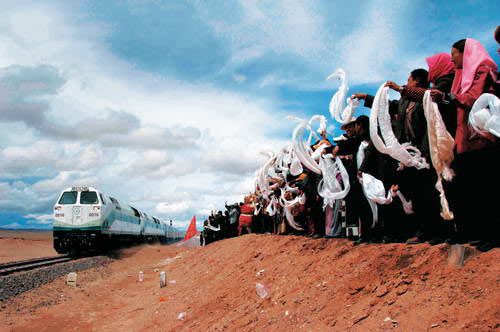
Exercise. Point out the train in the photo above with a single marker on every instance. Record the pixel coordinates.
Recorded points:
(86, 219)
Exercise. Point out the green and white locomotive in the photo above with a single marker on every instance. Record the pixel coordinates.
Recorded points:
(87, 219)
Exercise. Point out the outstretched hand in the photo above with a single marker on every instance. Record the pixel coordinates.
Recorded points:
(436, 95)
(392, 85)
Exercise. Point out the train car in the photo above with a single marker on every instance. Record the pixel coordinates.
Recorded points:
(87, 219)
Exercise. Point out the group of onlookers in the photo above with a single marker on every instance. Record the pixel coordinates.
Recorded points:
(455, 82)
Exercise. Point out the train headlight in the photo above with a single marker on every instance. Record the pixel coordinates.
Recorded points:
(97, 208)
(57, 208)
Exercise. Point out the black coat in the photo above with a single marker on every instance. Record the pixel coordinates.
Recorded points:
(349, 147)
(448, 111)
(397, 110)
(379, 165)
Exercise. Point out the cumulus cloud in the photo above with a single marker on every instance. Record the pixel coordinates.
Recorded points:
(47, 158)
(172, 208)
(13, 225)
(25, 93)
(20, 196)
(155, 138)
(65, 179)
(279, 27)
(236, 155)
(43, 219)
(239, 78)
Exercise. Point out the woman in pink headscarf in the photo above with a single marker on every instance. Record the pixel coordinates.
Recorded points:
(476, 173)
(440, 66)
(475, 74)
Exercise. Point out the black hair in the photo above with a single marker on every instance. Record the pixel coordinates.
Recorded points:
(497, 34)
(460, 45)
(364, 121)
(421, 76)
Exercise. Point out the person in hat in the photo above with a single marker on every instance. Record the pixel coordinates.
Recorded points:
(357, 207)
(323, 141)
(349, 127)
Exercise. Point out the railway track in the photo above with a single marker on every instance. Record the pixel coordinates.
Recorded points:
(30, 264)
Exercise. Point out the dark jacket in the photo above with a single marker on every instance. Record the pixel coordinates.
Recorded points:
(379, 165)
(448, 110)
(349, 147)
(497, 86)
(418, 124)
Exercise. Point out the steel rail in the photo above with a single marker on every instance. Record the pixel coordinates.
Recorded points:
(30, 264)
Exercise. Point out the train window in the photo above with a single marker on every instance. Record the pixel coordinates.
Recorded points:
(136, 213)
(68, 197)
(102, 199)
(118, 207)
(88, 197)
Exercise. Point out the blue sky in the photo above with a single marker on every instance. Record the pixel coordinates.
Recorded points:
(167, 104)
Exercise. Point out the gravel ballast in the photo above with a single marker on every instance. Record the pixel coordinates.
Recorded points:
(16, 284)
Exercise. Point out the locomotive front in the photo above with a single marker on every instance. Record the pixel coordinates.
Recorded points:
(78, 219)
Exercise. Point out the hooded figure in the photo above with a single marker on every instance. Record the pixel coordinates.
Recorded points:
(475, 74)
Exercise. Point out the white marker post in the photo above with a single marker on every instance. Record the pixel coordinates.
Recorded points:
(163, 279)
(71, 279)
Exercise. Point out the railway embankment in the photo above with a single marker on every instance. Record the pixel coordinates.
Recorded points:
(302, 284)
(18, 283)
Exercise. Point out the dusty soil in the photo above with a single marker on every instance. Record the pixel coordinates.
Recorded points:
(314, 285)
(21, 245)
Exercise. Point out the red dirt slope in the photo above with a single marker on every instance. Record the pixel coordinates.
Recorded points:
(315, 285)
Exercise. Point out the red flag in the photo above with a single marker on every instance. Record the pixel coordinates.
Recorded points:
(191, 231)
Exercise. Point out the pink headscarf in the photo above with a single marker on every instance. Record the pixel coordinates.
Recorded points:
(439, 65)
(475, 55)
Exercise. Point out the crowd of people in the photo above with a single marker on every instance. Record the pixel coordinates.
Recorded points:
(445, 198)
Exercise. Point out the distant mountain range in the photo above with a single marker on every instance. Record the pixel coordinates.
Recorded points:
(27, 229)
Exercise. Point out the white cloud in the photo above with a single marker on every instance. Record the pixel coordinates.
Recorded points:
(43, 219)
(239, 78)
(280, 27)
(47, 158)
(173, 208)
(12, 225)
(21, 197)
(366, 51)
(37, 31)
(65, 179)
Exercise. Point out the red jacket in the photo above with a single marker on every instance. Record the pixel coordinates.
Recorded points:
(464, 138)
(246, 215)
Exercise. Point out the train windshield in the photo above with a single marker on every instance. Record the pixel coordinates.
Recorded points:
(68, 197)
(88, 197)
